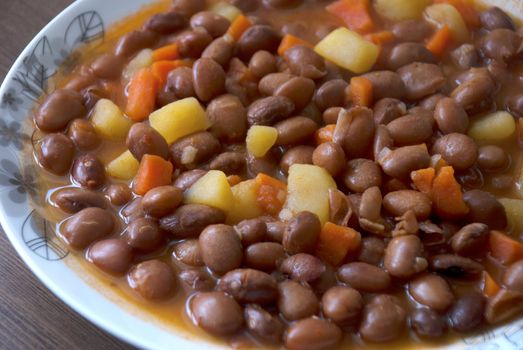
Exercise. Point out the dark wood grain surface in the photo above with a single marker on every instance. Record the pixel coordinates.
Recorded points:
(30, 316)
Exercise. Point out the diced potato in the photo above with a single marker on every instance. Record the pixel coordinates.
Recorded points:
(143, 59)
(260, 139)
(226, 10)
(179, 119)
(308, 189)
(398, 10)
(109, 121)
(213, 190)
(245, 203)
(441, 14)
(348, 50)
(514, 210)
(124, 167)
(494, 127)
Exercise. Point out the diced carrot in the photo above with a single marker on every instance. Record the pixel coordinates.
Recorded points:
(324, 134)
(505, 249)
(141, 95)
(467, 10)
(336, 243)
(154, 171)
(289, 41)
(361, 91)
(161, 69)
(381, 37)
(440, 41)
(238, 27)
(234, 180)
(355, 14)
(271, 193)
(423, 179)
(166, 53)
(447, 196)
(489, 286)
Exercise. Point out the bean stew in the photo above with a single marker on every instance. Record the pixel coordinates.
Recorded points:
(302, 174)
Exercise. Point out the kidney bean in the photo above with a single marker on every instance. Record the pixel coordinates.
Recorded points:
(228, 118)
(295, 130)
(406, 53)
(119, 194)
(193, 149)
(429, 103)
(342, 305)
(386, 84)
(262, 63)
(296, 155)
(303, 267)
(459, 150)
(312, 333)
(515, 105)
(500, 44)
(329, 156)
(402, 201)
(133, 210)
(188, 178)
(421, 79)
(266, 164)
(209, 79)
(249, 286)
(382, 140)
(197, 280)
(301, 233)
(470, 240)
(364, 277)
(161, 201)
(134, 41)
(230, 163)
(269, 110)
(404, 257)
(73, 199)
(153, 280)
(271, 82)
(275, 230)
(216, 313)
(282, 3)
(305, 62)
(411, 129)
(221, 248)
(83, 135)
(411, 30)
(107, 66)
(299, 90)
(371, 250)
(495, 18)
(189, 253)
(191, 43)
(180, 83)
(486, 209)
(331, 94)
(492, 157)
(265, 256)
(246, 5)
(505, 305)
(477, 88)
(355, 131)
(451, 117)
(87, 226)
(263, 325)
(428, 323)
(81, 80)
(113, 256)
(88, 171)
(167, 22)
(190, 219)
(58, 109)
(142, 139)
(388, 109)
(296, 301)
(467, 312)
(255, 38)
(330, 115)
(215, 24)
(220, 50)
(399, 163)
(465, 56)
(383, 319)
(144, 234)
(454, 265)
(432, 291)
(251, 230)
(361, 174)
(370, 205)
(502, 182)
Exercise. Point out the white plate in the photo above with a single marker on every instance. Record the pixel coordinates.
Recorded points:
(85, 21)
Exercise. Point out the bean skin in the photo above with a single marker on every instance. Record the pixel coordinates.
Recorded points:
(312, 334)
(301, 233)
(221, 248)
(432, 291)
(404, 257)
(364, 277)
(263, 325)
(296, 301)
(216, 313)
(249, 286)
(383, 319)
(342, 305)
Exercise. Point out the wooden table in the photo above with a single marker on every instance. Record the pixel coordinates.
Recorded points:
(30, 316)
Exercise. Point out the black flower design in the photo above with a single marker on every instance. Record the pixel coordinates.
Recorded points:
(19, 185)
(11, 134)
(39, 235)
(10, 100)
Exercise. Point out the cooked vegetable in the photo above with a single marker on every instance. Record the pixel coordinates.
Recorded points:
(439, 43)
(270, 194)
(161, 69)
(398, 10)
(355, 14)
(141, 95)
(467, 10)
(514, 211)
(447, 196)
(260, 139)
(213, 190)
(381, 37)
(153, 172)
(336, 243)
(166, 53)
(445, 14)
(179, 119)
(226, 10)
(494, 127)
(505, 249)
(423, 179)
(289, 41)
(109, 121)
(348, 50)
(238, 27)
(245, 202)
(325, 134)
(361, 91)
(489, 286)
(142, 60)
(308, 189)
(123, 167)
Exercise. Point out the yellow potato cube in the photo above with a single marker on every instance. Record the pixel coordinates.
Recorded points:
(445, 14)
(109, 121)
(398, 10)
(493, 127)
(245, 202)
(213, 190)
(308, 189)
(123, 167)
(514, 210)
(226, 10)
(143, 59)
(348, 50)
(179, 119)
(260, 139)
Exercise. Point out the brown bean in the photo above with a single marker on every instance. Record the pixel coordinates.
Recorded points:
(467, 312)
(492, 157)
(388, 109)
(428, 323)
(58, 109)
(386, 84)
(265, 256)
(500, 44)
(166, 23)
(299, 90)
(216, 313)
(251, 231)
(144, 234)
(342, 305)
(74, 199)
(404, 257)
(382, 140)
(88, 171)
(305, 62)
(188, 178)
(513, 277)
(371, 251)
(142, 139)
(411, 30)
(312, 334)
(296, 301)
(486, 209)
(134, 41)
(197, 280)
(249, 286)
(262, 63)
(87, 226)
(193, 149)
(257, 37)
(411, 129)
(429, 103)
(269, 110)
(190, 219)
(455, 266)
(362, 174)
(221, 248)
(470, 240)
(330, 115)
(230, 163)
(220, 50)
(432, 291)
(399, 163)
(355, 131)
(189, 253)
(228, 118)
(266, 164)
(282, 3)
(133, 210)
(331, 94)
(465, 56)
(495, 18)
(383, 319)
(506, 304)
(188, 7)
(364, 277)
(119, 194)
(215, 24)
(406, 53)
(402, 201)
(83, 135)
(271, 82)
(296, 155)
(303, 267)
(421, 79)
(295, 130)
(113, 256)
(301, 233)
(180, 83)
(246, 5)
(451, 117)
(209, 79)
(263, 325)
(192, 43)
(153, 280)
(458, 150)
(161, 201)
(107, 66)
(330, 156)
(275, 230)
(475, 90)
